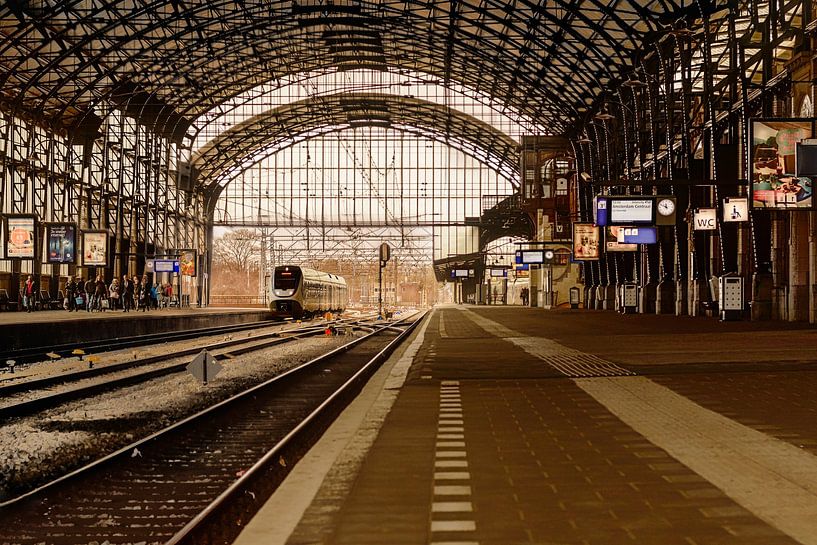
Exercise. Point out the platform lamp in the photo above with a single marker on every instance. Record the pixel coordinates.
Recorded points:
(604, 116)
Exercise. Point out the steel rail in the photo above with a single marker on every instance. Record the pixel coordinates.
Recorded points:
(185, 424)
(241, 489)
(39, 353)
(39, 404)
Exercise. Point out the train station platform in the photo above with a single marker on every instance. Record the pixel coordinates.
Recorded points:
(509, 425)
(21, 330)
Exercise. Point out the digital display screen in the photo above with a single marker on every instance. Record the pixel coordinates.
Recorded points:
(628, 211)
(498, 272)
(533, 256)
(165, 265)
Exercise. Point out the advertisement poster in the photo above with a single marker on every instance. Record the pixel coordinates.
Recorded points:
(585, 242)
(61, 243)
(774, 152)
(187, 262)
(20, 235)
(95, 248)
(611, 243)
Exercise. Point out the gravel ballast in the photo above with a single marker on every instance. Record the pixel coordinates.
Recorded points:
(37, 449)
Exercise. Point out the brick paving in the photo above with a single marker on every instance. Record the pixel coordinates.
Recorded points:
(545, 462)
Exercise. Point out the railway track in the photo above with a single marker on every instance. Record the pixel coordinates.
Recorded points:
(30, 402)
(201, 479)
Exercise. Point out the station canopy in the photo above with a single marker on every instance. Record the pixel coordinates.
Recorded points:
(232, 83)
(174, 61)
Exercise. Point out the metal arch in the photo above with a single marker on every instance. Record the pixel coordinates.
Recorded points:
(401, 47)
(286, 123)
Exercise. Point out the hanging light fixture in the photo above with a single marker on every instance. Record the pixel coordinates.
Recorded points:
(633, 82)
(583, 139)
(603, 114)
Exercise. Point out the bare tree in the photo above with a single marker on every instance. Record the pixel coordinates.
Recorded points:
(238, 250)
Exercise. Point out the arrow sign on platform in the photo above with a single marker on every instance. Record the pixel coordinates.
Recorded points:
(204, 366)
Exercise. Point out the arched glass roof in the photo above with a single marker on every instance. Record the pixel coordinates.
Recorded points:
(243, 145)
(177, 60)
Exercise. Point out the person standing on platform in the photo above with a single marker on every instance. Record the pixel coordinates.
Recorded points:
(144, 294)
(127, 293)
(100, 293)
(70, 302)
(137, 293)
(81, 298)
(90, 289)
(167, 290)
(114, 294)
(29, 294)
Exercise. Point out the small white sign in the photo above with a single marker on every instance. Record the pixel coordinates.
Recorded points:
(735, 209)
(705, 219)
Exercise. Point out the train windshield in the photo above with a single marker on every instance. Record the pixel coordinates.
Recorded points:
(286, 278)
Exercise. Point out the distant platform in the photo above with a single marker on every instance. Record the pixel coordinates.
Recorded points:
(63, 315)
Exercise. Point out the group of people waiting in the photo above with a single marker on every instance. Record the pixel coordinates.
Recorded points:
(131, 293)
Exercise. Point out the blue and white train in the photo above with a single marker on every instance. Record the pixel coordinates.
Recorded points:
(298, 292)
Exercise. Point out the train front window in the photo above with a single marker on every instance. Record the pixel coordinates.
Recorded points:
(286, 278)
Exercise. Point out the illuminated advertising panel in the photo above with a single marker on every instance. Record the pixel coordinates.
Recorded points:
(585, 242)
(611, 243)
(187, 262)
(19, 233)
(775, 182)
(61, 243)
(94, 248)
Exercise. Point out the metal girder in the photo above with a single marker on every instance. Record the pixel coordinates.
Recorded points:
(60, 61)
(241, 146)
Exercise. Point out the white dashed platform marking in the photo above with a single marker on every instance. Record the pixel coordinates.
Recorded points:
(451, 444)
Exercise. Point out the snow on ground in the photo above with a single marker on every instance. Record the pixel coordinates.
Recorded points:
(36, 449)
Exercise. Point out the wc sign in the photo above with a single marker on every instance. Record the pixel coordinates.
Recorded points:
(705, 219)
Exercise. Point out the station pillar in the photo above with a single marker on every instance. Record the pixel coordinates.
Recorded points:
(780, 249)
(681, 308)
(798, 293)
(647, 299)
(665, 297)
(812, 245)
(607, 296)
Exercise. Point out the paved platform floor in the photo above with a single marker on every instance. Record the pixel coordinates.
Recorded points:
(508, 426)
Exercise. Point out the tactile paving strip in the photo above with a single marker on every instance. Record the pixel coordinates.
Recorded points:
(585, 365)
